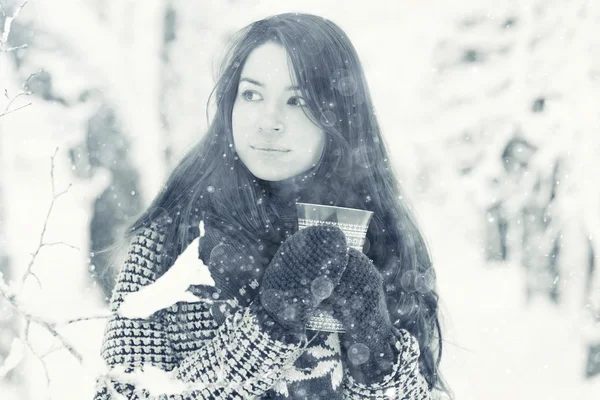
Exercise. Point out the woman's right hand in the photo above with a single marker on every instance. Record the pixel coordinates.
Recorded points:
(304, 272)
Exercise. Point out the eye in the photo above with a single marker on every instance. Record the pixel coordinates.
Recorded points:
(297, 101)
(251, 95)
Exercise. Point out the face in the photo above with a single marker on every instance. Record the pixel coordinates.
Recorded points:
(272, 135)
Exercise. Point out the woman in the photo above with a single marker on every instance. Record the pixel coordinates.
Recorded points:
(294, 122)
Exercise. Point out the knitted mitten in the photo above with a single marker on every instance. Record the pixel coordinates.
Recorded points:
(235, 271)
(304, 272)
(359, 303)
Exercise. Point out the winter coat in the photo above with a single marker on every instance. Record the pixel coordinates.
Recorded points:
(234, 360)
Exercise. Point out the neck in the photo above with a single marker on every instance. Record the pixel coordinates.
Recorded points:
(288, 190)
(282, 195)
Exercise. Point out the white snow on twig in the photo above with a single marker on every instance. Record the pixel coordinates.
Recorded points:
(172, 286)
(14, 357)
(8, 24)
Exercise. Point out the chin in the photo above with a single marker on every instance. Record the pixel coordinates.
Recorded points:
(270, 175)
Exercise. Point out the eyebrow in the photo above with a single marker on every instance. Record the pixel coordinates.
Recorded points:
(257, 83)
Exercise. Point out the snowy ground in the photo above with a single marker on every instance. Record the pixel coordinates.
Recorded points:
(496, 348)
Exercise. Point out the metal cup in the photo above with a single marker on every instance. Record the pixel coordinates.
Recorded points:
(354, 223)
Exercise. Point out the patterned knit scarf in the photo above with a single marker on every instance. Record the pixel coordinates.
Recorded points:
(316, 374)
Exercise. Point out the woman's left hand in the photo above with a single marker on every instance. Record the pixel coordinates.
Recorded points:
(359, 303)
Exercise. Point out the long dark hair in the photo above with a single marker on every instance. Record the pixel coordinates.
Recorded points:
(355, 171)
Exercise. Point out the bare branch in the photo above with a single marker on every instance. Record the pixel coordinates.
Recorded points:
(85, 318)
(64, 191)
(61, 243)
(6, 110)
(49, 326)
(24, 84)
(26, 329)
(8, 293)
(52, 171)
(41, 241)
(51, 350)
(37, 278)
(16, 109)
(23, 92)
(39, 357)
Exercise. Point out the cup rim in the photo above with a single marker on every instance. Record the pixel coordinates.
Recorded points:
(345, 208)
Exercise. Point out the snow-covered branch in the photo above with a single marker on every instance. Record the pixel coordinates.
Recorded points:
(8, 20)
(166, 291)
(11, 294)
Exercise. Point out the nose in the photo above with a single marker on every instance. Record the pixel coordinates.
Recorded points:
(275, 127)
(272, 121)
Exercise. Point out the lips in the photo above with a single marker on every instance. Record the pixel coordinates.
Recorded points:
(270, 149)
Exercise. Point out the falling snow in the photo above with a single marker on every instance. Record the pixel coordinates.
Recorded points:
(451, 86)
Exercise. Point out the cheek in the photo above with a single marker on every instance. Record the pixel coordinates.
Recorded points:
(309, 135)
(317, 145)
(242, 120)
(243, 110)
